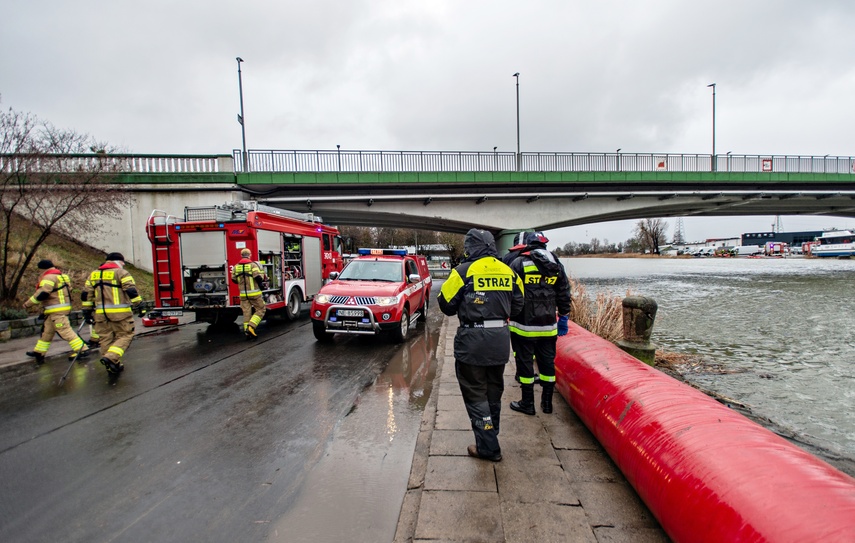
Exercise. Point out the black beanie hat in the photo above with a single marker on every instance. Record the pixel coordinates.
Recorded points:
(115, 256)
(44, 264)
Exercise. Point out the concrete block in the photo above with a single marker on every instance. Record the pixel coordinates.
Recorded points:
(528, 482)
(528, 448)
(613, 504)
(610, 534)
(460, 516)
(570, 434)
(460, 473)
(453, 420)
(451, 442)
(545, 523)
(588, 466)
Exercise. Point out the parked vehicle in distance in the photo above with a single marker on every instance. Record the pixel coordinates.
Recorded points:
(381, 291)
(747, 250)
(705, 251)
(836, 243)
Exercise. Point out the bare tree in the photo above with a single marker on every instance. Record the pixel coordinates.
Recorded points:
(650, 234)
(49, 179)
(453, 244)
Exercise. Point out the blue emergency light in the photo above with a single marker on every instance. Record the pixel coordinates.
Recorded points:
(383, 252)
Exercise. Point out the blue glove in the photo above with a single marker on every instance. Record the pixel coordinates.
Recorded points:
(563, 328)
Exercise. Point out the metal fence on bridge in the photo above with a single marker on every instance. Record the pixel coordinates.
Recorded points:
(475, 161)
(427, 161)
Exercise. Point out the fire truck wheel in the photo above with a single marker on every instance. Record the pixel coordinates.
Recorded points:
(292, 310)
(423, 311)
(319, 330)
(399, 335)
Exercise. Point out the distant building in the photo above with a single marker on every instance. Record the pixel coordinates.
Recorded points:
(793, 239)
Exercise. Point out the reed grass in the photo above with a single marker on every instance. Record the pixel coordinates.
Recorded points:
(601, 315)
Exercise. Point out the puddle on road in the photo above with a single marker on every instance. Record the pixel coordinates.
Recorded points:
(355, 491)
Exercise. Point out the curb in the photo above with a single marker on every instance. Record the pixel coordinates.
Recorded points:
(409, 515)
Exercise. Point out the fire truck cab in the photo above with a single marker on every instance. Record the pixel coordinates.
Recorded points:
(193, 258)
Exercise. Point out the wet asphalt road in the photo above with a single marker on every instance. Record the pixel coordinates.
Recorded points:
(208, 437)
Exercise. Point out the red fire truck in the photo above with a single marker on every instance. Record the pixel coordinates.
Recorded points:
(193, 258)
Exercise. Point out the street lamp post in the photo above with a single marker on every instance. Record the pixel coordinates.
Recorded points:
(728, 160)
(618, 158)
(495, 158)
(338, 154)
(713, 125)
(517, 76)
(241, 118)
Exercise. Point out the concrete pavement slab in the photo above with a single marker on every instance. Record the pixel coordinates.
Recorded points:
(545, 523)
(474, 517)
(460, 473)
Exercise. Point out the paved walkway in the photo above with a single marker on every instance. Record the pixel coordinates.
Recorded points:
(555, 483)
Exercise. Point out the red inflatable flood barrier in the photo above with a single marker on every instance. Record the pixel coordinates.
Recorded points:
(707, 473)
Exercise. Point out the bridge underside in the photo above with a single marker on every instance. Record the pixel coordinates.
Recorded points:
(499, 212)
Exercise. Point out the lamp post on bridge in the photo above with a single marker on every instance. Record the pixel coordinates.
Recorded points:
(517, 76)
(618, 158)
(495, 158)
(338, 154)
(713, 126)
(241, 118)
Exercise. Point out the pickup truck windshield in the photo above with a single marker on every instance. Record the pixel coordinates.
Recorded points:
(373, 270)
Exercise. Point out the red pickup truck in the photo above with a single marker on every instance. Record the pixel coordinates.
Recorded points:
(381, 291)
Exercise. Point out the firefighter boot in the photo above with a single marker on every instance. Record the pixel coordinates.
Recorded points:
(546, 397)
(526, 404)
(40, 357)
(113, 368)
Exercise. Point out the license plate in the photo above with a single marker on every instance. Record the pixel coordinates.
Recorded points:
(349, 312)
(172, 313)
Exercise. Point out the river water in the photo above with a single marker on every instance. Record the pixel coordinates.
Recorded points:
(776, 333)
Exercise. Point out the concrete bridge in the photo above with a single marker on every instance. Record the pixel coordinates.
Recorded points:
(502, 192)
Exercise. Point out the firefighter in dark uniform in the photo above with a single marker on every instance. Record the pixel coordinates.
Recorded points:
(483, 293)
(110, 299)
(54, 294)
(535, 329)
(248, 276)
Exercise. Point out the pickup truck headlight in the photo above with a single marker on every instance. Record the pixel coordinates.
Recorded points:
(386, 300)
(322, 298)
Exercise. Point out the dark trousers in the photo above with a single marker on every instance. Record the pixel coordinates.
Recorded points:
(526, 349)
(482, 387)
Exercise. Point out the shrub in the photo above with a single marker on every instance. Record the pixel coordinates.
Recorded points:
(11, 313)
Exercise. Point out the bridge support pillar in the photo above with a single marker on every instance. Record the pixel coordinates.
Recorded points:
(505, 240)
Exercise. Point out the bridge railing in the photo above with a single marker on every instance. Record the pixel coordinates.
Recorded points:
(428, 161)
(128, 163)
(477, 161)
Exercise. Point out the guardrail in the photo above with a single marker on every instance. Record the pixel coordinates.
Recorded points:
(127, 163)
(475, 161)
(426, 161)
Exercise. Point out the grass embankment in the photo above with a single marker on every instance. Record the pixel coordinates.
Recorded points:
(75, 259)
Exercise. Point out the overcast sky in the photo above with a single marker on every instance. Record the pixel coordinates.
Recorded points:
(161, 77)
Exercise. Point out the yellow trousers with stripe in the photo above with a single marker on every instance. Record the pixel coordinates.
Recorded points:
(114, 336)
(58, 324)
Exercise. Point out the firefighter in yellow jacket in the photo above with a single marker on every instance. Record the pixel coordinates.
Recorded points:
(110, 298)
(54, 294)
(248, 275)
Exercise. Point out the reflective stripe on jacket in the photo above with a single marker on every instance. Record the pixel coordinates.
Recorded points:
(547, 293)
(110, 290)
(247, 274)
(54, 291)
(481, 291)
